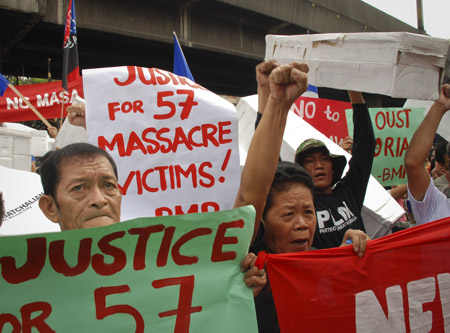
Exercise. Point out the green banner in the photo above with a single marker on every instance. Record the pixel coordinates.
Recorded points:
(163, 274)
(393, 128)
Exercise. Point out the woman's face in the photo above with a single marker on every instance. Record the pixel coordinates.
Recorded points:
(291, 220)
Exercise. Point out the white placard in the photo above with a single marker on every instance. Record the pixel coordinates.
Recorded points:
(397, 64)
(21, 193)
(175, 143)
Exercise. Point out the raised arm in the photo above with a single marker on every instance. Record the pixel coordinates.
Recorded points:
(77, 115)
(356, 97)
(420, 145)
(287, 83)
(363, 148)
(263, 71)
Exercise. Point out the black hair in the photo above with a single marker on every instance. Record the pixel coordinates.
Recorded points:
(440, 151)
(50, 169)
(286, 175)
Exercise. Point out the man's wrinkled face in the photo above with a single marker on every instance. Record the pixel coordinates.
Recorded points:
(320, 167)
(87, 195)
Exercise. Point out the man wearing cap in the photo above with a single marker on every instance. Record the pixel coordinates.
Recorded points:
(338, 201)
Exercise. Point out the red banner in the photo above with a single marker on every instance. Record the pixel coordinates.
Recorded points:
(46, 97)
(402, 284)
(325, 115)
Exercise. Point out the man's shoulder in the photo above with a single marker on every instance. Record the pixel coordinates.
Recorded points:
(434, 206)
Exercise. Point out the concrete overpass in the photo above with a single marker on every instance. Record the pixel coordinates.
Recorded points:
(222, 39)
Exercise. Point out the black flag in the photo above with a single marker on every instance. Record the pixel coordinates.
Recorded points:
(71, 69)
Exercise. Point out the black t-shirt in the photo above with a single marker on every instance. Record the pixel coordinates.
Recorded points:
(341, 210)
(266, 312)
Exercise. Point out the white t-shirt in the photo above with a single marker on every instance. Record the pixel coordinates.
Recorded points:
(434, 206)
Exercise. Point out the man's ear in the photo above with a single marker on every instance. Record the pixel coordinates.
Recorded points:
(48, 206)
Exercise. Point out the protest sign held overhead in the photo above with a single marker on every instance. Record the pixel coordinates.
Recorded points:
(175, 142)
(325, 115)
(402, 284)
(397, 64)
(164, 274)
(45, 97)
(393, 129)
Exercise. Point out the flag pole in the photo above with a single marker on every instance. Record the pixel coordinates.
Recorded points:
(49, 70)
(27, 102)
(70, 69)
(179, 45)
(180, 66)
(62, 111)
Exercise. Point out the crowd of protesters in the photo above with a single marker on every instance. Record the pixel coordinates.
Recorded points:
(301, 205)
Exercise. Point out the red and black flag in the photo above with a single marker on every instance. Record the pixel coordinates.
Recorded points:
(71, 70)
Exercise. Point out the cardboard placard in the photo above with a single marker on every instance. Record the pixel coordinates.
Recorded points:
(397, 64)
(393, 129)
(163, 274)
(175, 142)
(325, 115)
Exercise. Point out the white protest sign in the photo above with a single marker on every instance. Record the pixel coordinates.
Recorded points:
(397, 64)
(175, 143)
(21, 193)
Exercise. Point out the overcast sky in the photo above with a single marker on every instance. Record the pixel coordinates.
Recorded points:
(436, 14)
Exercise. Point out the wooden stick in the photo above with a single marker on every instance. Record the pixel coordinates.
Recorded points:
(18, 93)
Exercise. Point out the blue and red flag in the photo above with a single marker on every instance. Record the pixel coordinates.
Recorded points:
(71, 69)
(180, 66)
(3, 84)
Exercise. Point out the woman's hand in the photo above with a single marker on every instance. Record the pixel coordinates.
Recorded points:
(359, 241)
(254, 277)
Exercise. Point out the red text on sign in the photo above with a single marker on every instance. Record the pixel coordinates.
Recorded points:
(102, 264)
(162, 178)
(392, 118)
(166, 140)
(182, 312)
(154, 76)
(205, 207)
(391, 147)
(186, 105)
(391, 173)
(125, 107)
(28, 323)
